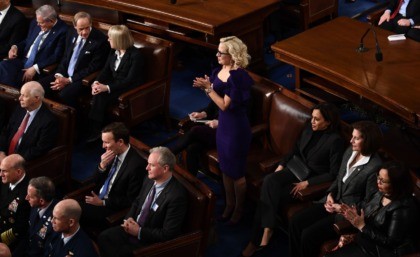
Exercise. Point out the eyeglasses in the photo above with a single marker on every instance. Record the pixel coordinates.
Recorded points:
(220, 53)
(381, 180)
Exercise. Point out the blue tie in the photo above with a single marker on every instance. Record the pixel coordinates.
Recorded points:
(31, 59)
(108, 179)
(74, 57)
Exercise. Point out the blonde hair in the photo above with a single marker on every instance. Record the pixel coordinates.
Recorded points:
(237, 50)
(121, 37)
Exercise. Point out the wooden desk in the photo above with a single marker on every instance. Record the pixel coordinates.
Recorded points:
(328, 52)
(201, 22)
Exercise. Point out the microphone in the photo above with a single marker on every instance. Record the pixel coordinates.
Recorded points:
(378, 54)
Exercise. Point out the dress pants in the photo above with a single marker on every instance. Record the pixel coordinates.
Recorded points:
(196, 141)
(95, 216)
(392, 25)
(115, 242)
(414, 34)
(309, 229)
(11, 72)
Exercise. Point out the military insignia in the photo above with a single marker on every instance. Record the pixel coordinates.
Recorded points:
(42, 232)
(11, 220)
(14, 205)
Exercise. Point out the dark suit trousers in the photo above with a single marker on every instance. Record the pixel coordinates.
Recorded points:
(115, 242)
(349, 250)
(11, 72)
(99, 104)
(68, 95)
(392, 25)
(196, 142)
(308, 229)
(95, 216)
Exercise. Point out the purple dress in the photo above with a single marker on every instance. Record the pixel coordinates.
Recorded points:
(233, 134)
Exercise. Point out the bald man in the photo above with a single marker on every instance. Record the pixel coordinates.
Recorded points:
(39, 127)
(4, 250)
(71, 240)
(14, 210)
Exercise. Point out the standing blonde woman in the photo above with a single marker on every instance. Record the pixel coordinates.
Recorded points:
(229, 88)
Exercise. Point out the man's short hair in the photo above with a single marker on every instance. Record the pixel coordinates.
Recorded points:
(81, 15)
(166, 157)
(119, 131)
(44, 188)
(47, 12)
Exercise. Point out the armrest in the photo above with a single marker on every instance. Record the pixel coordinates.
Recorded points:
(187, 246)
(80, 193)
(258, 130)
(268, 166)
(88, 80)
(124, 98)
(344, 227)
(313, 192)
(116, 218)
(50, 69)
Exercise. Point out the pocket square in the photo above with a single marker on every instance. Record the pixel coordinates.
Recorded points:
(87, 52)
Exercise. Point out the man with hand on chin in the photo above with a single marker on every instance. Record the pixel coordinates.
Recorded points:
(118, 179)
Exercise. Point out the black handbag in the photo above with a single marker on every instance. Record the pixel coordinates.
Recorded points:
(298, 168)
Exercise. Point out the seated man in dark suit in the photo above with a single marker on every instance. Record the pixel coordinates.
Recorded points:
(43, 46)
(13, 27)
(157, 214)
(32, 130)
(71, 240)
(119, 177)
(41, 193)
(14, 210)
(86, 52)
(401, 16)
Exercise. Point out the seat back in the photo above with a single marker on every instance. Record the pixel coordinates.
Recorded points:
(286, 121)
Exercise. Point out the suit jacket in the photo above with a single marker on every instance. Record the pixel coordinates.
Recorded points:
(50, 50)
(12, 30)
(40, 230)
(390, 230)
(79, 245)
(412, 12)
(14, 212)
(360, 185)
(129, 73)
(167, 215)
(127, 183)
(92, 56)
(39, 138)
(323, 159)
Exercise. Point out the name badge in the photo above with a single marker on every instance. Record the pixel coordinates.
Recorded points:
(155, 207)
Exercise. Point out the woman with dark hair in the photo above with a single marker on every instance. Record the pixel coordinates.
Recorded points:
(388, 222)
(320, 149)
(355, 182)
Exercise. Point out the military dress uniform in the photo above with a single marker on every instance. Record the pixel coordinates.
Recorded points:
(14, 214)
(40, 230)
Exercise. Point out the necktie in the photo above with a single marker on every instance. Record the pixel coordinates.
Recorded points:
(31, 59)
(19, 133)
(37, 218)
(108, 179)
(74, 57)
(397, 10)
(146, 210)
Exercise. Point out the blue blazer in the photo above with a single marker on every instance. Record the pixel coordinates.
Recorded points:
(51, 49)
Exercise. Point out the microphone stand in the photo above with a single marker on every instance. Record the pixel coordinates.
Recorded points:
(362, 48)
